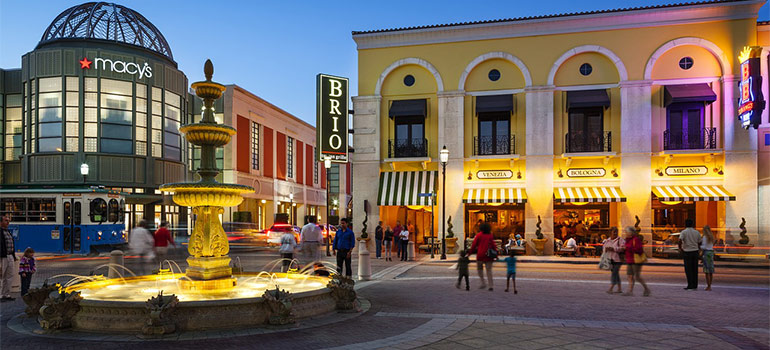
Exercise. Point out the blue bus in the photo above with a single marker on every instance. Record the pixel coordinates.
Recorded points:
(86, 220)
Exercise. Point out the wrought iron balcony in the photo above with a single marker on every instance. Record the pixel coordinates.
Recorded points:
(682, 139)
(494, 145)
(578, 142)
(406, 148)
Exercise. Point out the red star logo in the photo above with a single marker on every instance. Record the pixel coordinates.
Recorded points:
(85, 63)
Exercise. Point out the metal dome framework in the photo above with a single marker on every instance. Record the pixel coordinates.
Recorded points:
(107, 21)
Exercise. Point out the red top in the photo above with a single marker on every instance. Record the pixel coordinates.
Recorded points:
(633, 246)
(481, 243)
(163, 238)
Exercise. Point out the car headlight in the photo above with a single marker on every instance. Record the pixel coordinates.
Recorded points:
(99, 233)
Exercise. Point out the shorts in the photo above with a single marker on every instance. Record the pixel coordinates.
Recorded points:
(511, 275)
(708, 261)
(634, 269)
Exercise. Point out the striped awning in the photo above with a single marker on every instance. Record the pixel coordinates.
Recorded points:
(405, 187)
(692, 193)
(588, 194)
(495, 195)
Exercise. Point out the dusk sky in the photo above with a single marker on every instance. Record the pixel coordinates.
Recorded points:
(275, 48)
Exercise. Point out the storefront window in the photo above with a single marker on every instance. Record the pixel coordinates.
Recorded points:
(494, 133)
(586, 222)
(586, 130)
(684, 124)
(507, 220)
(409, 137)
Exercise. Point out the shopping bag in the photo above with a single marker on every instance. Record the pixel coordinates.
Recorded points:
(604, 262)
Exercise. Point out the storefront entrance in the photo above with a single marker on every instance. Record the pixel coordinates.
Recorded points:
(507, 220)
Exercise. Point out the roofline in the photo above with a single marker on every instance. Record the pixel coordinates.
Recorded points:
(96, 41)
(279, 109)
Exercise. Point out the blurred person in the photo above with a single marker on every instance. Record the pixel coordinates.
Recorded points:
(7, 259)
(378, 237)
(462, 270)
(707, 255)
(404, 243)
(397, 241)
(614, 246)
(510, 263)
(310, 239)
(388, 240)
(486, 252)
(689, 245)
(162, 240)
(26, 269)
(634, 253)
(141, 243)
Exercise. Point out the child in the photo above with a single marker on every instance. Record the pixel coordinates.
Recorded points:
(26, 269)
(511, 262)
(462, 268)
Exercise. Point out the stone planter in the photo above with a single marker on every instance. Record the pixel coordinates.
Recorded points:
(451, 245)
(539, 245)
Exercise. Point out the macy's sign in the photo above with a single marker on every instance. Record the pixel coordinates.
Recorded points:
(118, 66)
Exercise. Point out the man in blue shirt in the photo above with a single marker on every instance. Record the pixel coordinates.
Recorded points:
(343, 245)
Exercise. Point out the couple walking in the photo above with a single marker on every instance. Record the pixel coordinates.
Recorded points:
(628, 249)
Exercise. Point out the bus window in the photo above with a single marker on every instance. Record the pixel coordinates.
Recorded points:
(76, 213)
(67, 213)
(15, 208)
(113, 211)
(41, 209)
(98, 210)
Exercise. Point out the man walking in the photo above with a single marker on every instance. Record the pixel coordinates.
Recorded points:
(689, 243)
(310, 239)
(162, 239)
(344, 242)
(7, 259)
(378, 239)
(140, 243)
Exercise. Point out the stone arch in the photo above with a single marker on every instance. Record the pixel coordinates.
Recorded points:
(622, 73)
(709, 46)
(490, 55)
(406, 61)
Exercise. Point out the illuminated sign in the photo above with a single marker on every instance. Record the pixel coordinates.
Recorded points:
(686, 170)
(494, 174)
(751, 102)
(143, 71)
(586, 172)
(332, 118)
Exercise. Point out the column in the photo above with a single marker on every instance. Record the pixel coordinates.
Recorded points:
(539, 165)
(451, 107)
(366, 162)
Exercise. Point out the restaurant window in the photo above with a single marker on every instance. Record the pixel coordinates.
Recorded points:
(586, 130)
(290, 157)
(684, 126)
(494, 133)
(254, 146)
(409, 129)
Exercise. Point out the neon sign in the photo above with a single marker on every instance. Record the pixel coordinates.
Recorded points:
(751, 103)
(118, 66)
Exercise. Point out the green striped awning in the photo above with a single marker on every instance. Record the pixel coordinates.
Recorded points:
(405, 187)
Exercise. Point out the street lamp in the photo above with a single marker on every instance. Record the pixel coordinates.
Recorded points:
(84, 171)
(444, 158)
(327, 166)
(291, 208)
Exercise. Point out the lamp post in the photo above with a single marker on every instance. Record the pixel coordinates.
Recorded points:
(432, 233)
(444, 158)
(327, 166)
(291, 208)
(84, 171)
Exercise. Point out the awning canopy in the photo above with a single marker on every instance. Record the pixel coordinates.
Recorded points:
(412, 108)
(692, 193)
(495, 195)
(495, 103)
(405, 187)
(688, 93)
(588, 98)
(588, 194)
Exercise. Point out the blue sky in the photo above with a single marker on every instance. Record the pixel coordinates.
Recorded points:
(275, 48)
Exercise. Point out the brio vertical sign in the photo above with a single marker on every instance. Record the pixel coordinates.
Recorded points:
(332, 117)
(751, 102)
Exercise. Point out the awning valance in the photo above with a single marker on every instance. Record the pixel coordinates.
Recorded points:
(495, 195)
(495, 103)
(588, 194)
(692, 193)
(588, 98)
(404, 108)
(405, 187)
(688, 93)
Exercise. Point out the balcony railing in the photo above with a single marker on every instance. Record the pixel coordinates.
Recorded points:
(577, 142)
(494, 145)
(406, 148)
(682, 139)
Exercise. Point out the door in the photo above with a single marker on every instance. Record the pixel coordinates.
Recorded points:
(72, 230)
(586, 130)
(685, 125)
(494, 133)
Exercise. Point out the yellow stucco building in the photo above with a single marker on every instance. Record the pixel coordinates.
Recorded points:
(595, 118)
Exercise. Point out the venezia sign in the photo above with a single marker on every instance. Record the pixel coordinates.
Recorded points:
(143, 71)
(332, 118)
(586, 172)
(494, 174)
(686, 170)
(751, 102)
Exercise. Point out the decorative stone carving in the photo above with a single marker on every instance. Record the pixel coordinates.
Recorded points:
(343, 292)
(449, 227)
(36, 297)
(744, 238)
(278, 305)
(161, 315)
(58, 310)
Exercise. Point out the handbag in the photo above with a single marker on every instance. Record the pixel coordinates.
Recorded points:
(492, 252)
(640, 258)
(604, 261)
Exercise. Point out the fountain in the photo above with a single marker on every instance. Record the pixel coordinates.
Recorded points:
(207, 295)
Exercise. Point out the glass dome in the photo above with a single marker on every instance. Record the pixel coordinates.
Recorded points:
(107, 21)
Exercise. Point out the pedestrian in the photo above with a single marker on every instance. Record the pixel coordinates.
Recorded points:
(7, 260)
(635, 258)
(162, 240)
(510, 263)
(462, 270)
(614, 246)
(310, 239)
(689, 245)
(404, 242)
(344, 241)
(26, 269)
(707, 251)
(378, 236)
(288, 244)
(397, 241)
(486, 252)
(140, 243)
(388, 238)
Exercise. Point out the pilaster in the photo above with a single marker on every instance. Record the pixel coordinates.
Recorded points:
(366, 161)
(539, 166)
(451, 107)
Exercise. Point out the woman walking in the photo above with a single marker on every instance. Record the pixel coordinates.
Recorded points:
(486, 252)
(613, 246)
(707, 249)
(634, 259)
(288, 244)
(388, 239)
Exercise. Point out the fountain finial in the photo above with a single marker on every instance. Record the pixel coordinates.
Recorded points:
(208, 69)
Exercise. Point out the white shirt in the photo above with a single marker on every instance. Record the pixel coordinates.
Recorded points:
(690, 239)
(571, 243)
(704, 245)
(311, 233)
(404, 235)
(288, 243)
(141, 241)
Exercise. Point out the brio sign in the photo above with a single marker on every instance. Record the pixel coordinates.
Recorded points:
(751, 102)
(332, 118)
(143, 71)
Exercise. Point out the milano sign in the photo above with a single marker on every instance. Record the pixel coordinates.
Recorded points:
(332, 118)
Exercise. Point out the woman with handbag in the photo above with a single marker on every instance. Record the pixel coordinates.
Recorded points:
(635, 258)
(612, 247)
(486, 252)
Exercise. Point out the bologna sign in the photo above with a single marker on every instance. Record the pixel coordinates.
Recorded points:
(332, 118)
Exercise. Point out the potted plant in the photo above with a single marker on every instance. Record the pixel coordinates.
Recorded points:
(451, 240)
(540, 240)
